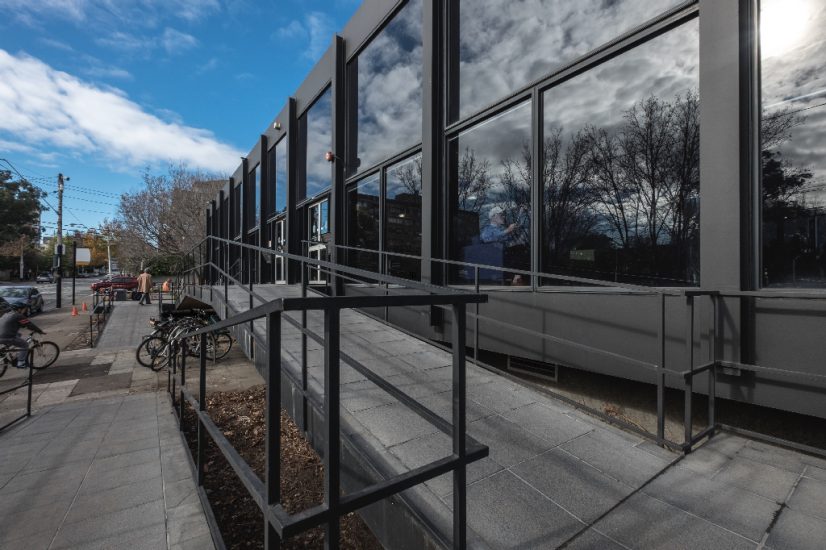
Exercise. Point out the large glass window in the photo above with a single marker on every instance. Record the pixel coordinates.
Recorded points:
(315, 138)
(255, 203)
(387, 106)
(793, 151)
(621, 167)
(277, 186)
(503, 46)
(363, 223)
(403, 214)
(237, 202)
(490, 194)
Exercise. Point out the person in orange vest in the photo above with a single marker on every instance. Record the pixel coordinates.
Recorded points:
(167, 285)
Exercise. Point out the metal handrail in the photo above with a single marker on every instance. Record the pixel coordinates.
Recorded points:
(267, 494)
(531, 273)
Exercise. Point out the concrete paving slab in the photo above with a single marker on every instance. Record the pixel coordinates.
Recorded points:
(798, 531)
(574, 485)
(508, 513)
(550, 425)
(735, 509)
(646, 522)
(809, 497)
(509, 444)
(763, 479)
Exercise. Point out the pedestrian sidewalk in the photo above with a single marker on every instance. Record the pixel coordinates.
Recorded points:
(101, 463)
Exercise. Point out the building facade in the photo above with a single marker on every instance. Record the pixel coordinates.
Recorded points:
(582, 162)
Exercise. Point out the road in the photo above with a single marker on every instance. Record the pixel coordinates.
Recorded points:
(59, 324)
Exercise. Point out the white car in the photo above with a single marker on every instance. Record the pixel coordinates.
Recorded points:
(44, 277)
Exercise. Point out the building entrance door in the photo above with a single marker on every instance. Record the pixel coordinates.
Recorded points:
(280, 245)
(318, 234)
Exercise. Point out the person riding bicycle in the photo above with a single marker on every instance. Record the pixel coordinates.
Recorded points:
(11, 321)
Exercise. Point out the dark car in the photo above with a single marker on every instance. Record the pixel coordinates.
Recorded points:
(115, 282)
(23, 297)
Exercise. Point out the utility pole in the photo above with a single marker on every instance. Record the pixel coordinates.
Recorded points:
(59, 246)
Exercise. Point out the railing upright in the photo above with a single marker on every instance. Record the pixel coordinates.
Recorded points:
(459, 427)
(689, 379)
(661, 373)
(304, 376)
(272, 449)
(202, 407)
(182, 399)
(332, 456)
(476, 318)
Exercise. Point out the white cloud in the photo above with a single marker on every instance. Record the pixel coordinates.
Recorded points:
(316, 29)
(136, 12)
(43, 108)
(177, 41)
(172, 41)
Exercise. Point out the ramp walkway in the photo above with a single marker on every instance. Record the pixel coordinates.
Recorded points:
(555, 477)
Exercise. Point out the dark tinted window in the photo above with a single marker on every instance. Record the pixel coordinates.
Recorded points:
(387, 76)
(503, 46)
(621, 171)
(490, 194)
(255, 203)
(363, 219)
(280, 171)
(315, 138)
(403, 207)
(793, 58)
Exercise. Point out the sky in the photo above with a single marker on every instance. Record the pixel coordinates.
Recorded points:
(101, 90)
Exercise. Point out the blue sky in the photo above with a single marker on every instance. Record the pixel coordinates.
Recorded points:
(101, 89)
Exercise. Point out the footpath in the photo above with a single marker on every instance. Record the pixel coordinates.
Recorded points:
(100, 463)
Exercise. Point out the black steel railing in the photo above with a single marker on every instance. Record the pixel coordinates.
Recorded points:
(266, 494)
(681, 378)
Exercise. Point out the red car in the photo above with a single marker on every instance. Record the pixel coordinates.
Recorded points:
(116, 282)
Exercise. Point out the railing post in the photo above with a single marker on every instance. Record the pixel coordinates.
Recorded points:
(29, 388)
(689, 380)
(181, 404)
(226, 282)
(273, 426)
(332, 456)
(173, 357)
(476, 319)
(712, 373)
(201, 408)
(661, 373)
(459, 428)
(304, 378)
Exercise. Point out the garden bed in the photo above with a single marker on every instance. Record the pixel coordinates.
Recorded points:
(240, 415)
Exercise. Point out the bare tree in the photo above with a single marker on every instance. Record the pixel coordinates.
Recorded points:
(473, 182)
(165, 218)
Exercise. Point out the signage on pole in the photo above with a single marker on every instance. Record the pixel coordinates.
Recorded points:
(84, 256)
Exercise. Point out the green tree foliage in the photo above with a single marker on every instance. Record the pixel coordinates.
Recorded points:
(19, 209)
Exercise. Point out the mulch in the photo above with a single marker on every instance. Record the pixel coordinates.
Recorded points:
(240, 415)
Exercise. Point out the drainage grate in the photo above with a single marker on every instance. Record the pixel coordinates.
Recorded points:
(537, 369)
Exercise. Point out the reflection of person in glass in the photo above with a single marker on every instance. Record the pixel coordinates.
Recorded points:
(508, 235)
(495, 231)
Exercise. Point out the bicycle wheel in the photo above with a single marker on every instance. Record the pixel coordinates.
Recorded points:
(43, 354)
(221, 344)
(149, 351)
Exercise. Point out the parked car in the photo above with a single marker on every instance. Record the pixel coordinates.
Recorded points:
(115, 282)
(44, 277)
(23, 297)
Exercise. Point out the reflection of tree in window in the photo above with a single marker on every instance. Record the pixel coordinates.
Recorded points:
(793, 49)
(621, 178)
(403, 204)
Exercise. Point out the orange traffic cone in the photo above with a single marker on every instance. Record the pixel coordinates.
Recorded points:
(74, 311)
(84, 308)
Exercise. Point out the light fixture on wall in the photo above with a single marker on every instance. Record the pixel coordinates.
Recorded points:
(276, 125)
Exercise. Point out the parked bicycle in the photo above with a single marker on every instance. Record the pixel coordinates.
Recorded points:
(155, 349)
(41, 354)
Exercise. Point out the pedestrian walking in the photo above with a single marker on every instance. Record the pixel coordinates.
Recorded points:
(145, 287)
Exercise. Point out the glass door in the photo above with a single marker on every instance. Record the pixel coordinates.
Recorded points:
(280, 245)
(318, 234)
